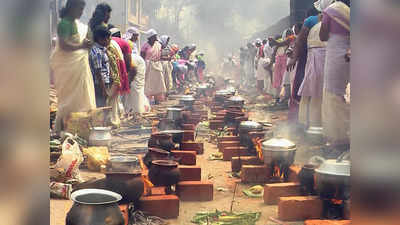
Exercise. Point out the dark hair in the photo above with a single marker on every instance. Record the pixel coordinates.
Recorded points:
(298, 25)
(101, 32)
(312, 12)
(68, 6)
(265, 41)
(98, 15)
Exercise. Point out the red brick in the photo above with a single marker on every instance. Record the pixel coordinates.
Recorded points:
(294, 171)
(188, 127)
(228, 138)
(230, 152)
(215, 124)
(190, 173)
(125, 213)
(164, 206)
(186, 157)
(193, 146)
(244, 160)
(327, 222)
(225, 144)
(272, 192)
(188, 135)
(255, 174)
(299, 208)
(157, 191)
(195, 191)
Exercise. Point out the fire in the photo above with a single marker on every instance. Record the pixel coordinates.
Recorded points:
(257, 143)
(336, 201)
(146, 181)
(277, 172)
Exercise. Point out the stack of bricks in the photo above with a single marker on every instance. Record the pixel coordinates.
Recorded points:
(191, 187)
(299, 208)
(198, 147)
(238, 162)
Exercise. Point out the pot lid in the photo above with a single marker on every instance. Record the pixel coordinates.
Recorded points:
(159, 151)
(335, 167)
(187, 98)
(101, 128)
(171, 132)
(250, 125)
(95, 197)
(123, 159)
(222, 92)
(279, 144)
(167, 163)
(175, 109)
(236, 98)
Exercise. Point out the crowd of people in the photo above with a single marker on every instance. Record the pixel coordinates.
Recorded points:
(307, 70)
(95, 65)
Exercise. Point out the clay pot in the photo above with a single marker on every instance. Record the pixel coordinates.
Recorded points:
(162, 141)
(130, 186)
(154, 154)
(164, 173)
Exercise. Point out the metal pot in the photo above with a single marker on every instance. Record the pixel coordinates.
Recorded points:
(177, 135)
(334, 171)
(95, 207)
(278, 149)
(174, 113)
(235, 101)
(244, 128)
(222, 95)
(124, 164)
(187, 101)
(100, 136)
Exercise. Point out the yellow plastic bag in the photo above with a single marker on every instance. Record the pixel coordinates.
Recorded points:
(96, 157)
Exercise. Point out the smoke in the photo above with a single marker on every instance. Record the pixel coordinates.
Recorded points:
(220, 27)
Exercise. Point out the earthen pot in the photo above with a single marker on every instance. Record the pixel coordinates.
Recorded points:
(164, 173)
(155, 154)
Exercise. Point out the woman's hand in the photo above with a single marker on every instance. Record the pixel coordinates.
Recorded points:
(114, 90)
(291, 64)
(86, 44)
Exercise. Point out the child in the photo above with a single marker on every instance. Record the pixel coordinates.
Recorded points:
(106, 81)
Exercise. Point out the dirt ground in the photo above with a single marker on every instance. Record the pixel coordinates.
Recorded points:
(219, 172)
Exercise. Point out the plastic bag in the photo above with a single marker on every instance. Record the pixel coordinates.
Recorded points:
(96, 156)
(70, 159)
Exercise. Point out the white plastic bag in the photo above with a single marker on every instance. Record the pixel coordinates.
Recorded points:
(70, 159)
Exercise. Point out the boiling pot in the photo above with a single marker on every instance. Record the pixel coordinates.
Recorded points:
(278, 150)
(174, 113)
(222, 95)
(100, 136)
(164, 173)
(95, 207)
(123, 163)
(235, 101)
(187, 101)
(333, 172)
(244, 128)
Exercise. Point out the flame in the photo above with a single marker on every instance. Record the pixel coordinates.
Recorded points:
(337, 201)
(277, 172)
(146, 181)
(257, 143)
